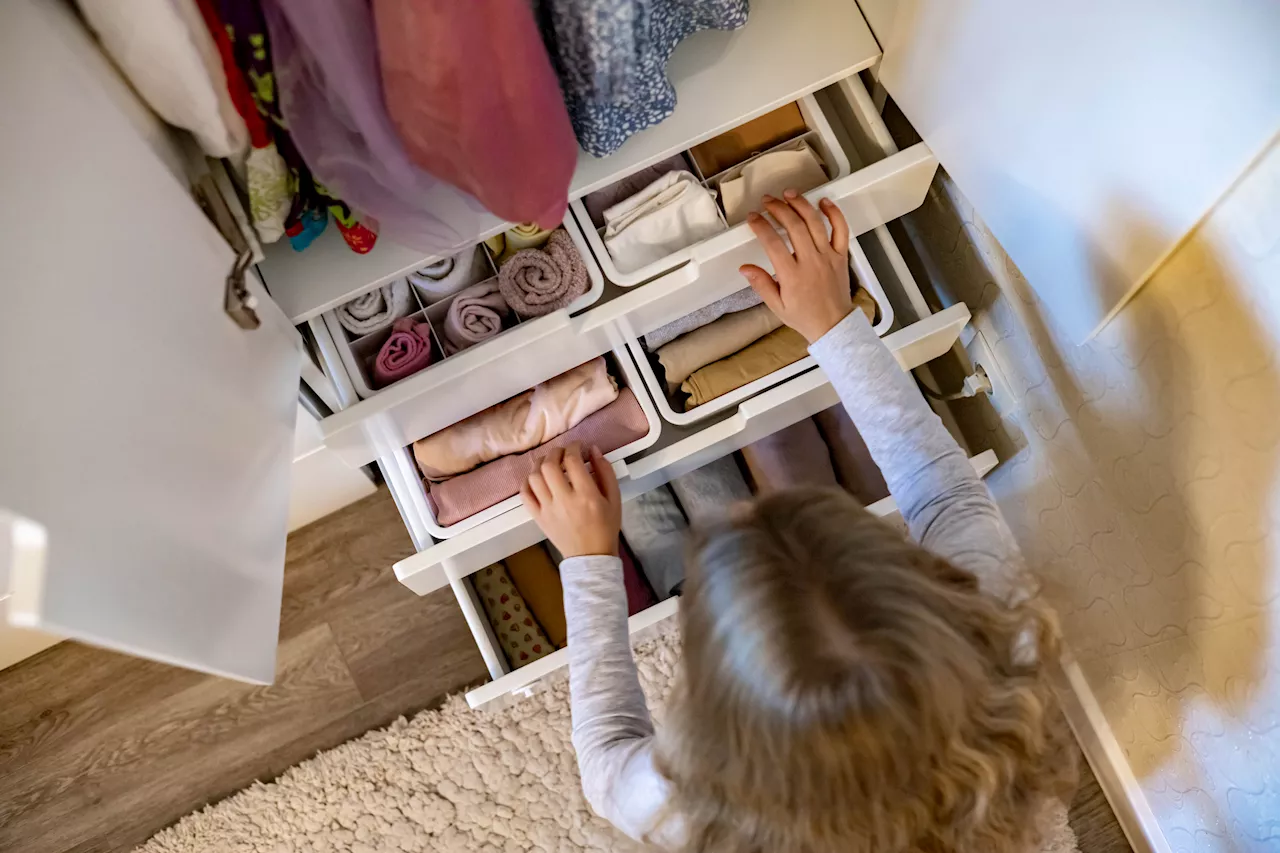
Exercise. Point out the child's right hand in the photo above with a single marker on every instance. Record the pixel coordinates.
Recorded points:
(579, 510)
(809, 290)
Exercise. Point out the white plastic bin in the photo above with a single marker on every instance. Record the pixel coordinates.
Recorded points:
(628, 375)
(820, 136)
(358, 353)
(863, 274)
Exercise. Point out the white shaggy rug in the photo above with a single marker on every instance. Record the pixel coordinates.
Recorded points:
(449, 779)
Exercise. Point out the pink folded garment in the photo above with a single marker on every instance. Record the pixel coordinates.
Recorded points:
(616, 425)
(795, 456)
(639, 596)
(855, 468)
(475, 315)
(519, 424)
(407, 351)
(538, 281)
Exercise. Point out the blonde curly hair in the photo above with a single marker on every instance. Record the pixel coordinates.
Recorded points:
(845, 690)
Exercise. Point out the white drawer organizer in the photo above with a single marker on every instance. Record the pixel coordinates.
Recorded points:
(820, 136)
(357, 353)
(881, 184)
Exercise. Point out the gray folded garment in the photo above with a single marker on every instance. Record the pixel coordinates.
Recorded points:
(740, 301)
(449, 275)
(377, 309)
(707, 494)
(656, 530)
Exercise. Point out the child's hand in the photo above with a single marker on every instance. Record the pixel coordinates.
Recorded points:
(809, 290)
(580, 511)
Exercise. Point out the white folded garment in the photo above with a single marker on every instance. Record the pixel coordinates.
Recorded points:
(670, 214)
(449, 275)
(793, 166)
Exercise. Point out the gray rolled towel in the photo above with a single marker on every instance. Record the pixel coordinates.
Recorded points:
(377, 309)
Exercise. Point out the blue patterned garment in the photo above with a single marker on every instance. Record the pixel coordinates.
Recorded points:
(611, 57)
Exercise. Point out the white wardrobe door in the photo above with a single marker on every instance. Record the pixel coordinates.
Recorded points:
(145, 433)
(1091, 136)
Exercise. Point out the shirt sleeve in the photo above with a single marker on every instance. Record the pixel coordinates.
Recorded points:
(612, 731)
(947, 507)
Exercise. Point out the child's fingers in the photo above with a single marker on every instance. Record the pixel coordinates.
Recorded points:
(812, 219)
(605, 479)
(763, 284)
(529, 499)
(553, 474)
(579, 477)
(779, 255)
(801, 241)
(538, 488)
(839, 226)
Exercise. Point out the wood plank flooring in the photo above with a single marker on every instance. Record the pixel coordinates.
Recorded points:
(98, 751)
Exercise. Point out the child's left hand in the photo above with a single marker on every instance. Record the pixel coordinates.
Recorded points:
(579, 510)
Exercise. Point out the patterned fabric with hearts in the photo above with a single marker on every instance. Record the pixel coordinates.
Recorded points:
(518, 632)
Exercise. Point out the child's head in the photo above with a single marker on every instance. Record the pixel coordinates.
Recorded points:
(844, 690)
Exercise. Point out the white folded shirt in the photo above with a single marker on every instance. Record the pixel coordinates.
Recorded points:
(671, 214)
(795, 166)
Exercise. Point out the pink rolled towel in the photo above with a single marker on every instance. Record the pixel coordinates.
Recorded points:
(539, 281)
(616, 425)
(475, 315)
(407, 351)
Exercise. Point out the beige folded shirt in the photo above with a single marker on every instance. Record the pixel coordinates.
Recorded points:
(772, 352)
(795, 167)
(714, 341)
(519, 424)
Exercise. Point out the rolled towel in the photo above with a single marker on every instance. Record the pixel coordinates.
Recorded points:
(475, 315)
(714, 341)
(521, 637)
(772, 352)
(656, 530)
(616, 425)
(794, 167)
(407, 351)
(793, 456)
(519, 424)
(538, 581)
(739, 301)
(449, 275)
(671, 214)
(377, 309)
(539, 281)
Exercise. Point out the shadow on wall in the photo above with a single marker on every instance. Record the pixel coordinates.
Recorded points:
(1140, 476)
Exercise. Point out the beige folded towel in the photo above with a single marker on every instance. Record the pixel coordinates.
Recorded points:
(519, 424)
(794, 167)
(714, 341)
(772, 352)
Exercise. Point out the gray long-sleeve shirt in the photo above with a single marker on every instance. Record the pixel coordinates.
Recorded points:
(947, 509)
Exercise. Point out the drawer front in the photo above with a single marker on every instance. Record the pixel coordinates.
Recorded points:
(511, 685)
(678, 451)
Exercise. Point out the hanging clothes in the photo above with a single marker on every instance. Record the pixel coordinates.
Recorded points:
(470, 90)
(611, 57)
(164, 49)
(309, 203)
(325, 60)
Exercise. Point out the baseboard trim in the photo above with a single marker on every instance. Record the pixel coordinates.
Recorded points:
(1107, 759)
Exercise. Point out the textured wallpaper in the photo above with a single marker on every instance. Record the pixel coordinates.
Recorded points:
(1141, 474)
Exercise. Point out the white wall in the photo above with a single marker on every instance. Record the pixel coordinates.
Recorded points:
(1143, 481)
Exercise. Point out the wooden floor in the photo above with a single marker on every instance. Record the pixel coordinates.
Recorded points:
(98, 751)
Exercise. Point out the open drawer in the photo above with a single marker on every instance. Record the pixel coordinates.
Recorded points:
(624, 372)
(509, 684)
(809, 128)
(525, 353)
(667, 399)
(677, 451)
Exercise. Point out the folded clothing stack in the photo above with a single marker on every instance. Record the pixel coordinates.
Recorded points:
(746, 140)
(483, 460)
(793, 456)
(538, 582)
(521, 637)
(794, 166)
(670, 214)
(518, 424)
